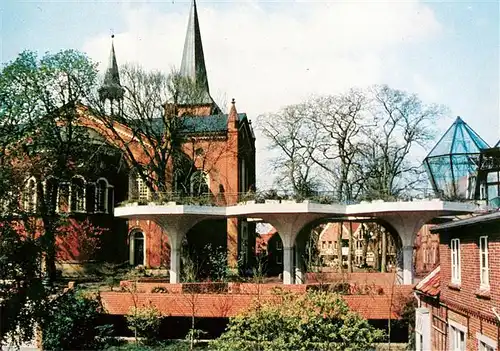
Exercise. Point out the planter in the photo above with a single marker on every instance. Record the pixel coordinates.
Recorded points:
(272, 201)
(288, 201)
(132, 204)
(171, 203)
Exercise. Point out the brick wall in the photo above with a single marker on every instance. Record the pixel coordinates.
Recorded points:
(466, 303)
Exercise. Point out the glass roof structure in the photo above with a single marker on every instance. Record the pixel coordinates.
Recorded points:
(453, 162)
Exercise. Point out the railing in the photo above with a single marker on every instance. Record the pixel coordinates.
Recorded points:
(230, 199)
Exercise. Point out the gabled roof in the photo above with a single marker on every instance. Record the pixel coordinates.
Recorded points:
(459, 139)
(431, 284)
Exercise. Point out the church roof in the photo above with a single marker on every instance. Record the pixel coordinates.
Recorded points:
(459, 139)
(200, 125)
(193, 59)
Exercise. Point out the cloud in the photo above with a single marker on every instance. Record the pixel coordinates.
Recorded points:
(267, 55)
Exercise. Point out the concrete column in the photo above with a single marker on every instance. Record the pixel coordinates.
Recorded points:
(407, 264)
(288, 271)
(288, 226)
(175, 227)
(299, 266)
(407, 225)
(175, 265)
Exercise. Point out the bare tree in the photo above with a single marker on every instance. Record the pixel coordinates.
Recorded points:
(340, 120)
(155, 129)
(293, 136)
(402, 121)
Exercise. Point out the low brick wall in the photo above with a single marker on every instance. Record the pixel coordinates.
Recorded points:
(229, 299)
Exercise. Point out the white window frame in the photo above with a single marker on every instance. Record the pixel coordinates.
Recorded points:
(483, 251)
(132, 258)
(30, 199)
(483, 342)
(106, 195)
(455, 261)
(84, 195)
(424, 254)
(454, 328)
(141, 184)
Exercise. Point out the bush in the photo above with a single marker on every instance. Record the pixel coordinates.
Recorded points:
(144, 322)
(314, 321)
(71, 323)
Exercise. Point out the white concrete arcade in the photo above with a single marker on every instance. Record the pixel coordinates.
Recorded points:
(406, 218)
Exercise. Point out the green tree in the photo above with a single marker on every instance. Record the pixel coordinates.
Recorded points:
(312, 321)
(40, 137)
(145, 323)
(71, 323)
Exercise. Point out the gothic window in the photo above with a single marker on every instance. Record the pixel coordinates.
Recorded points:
(137, 248)
(101, 195)
(29, 196)
(51, 193)
(77, 194)
(199, 183)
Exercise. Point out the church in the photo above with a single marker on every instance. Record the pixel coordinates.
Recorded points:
(213, 162)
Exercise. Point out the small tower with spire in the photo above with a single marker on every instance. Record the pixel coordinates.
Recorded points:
(111, 91)
(193, 68)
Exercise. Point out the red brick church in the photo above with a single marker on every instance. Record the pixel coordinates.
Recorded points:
(227, 169)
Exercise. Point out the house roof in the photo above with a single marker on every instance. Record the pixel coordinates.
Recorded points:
(482, 218)
(431, 284)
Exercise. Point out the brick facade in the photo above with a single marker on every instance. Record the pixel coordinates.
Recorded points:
(466, 304)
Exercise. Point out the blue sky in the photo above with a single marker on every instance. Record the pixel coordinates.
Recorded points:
(269, 54)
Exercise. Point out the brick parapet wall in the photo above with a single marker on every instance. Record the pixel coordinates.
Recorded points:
(183, 300)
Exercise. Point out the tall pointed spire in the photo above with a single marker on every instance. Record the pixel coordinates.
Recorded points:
(111, 87)
(193, 59)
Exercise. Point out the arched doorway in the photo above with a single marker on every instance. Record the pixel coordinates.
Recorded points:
(137, 248)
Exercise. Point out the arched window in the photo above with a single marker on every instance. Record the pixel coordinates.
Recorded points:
(77, 194)
(51, 193)
(29, 196)
(199, 183)
(101, 195)
(137, 248)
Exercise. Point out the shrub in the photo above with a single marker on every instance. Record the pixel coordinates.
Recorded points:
(314, 321)
(144, 322)
(71, 323)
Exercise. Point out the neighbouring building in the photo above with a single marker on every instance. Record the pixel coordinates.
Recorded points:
(459, 301)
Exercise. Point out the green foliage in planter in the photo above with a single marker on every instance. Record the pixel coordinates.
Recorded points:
(144, 322)
(312, 321)
(71, 324)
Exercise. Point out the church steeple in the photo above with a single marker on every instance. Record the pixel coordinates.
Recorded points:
(193, 59)
(111, 88)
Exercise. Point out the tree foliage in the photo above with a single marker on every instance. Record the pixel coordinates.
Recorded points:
(71, 323)
(144, 322)
(312, 321)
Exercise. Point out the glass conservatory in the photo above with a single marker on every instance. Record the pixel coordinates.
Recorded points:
(454, 162)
